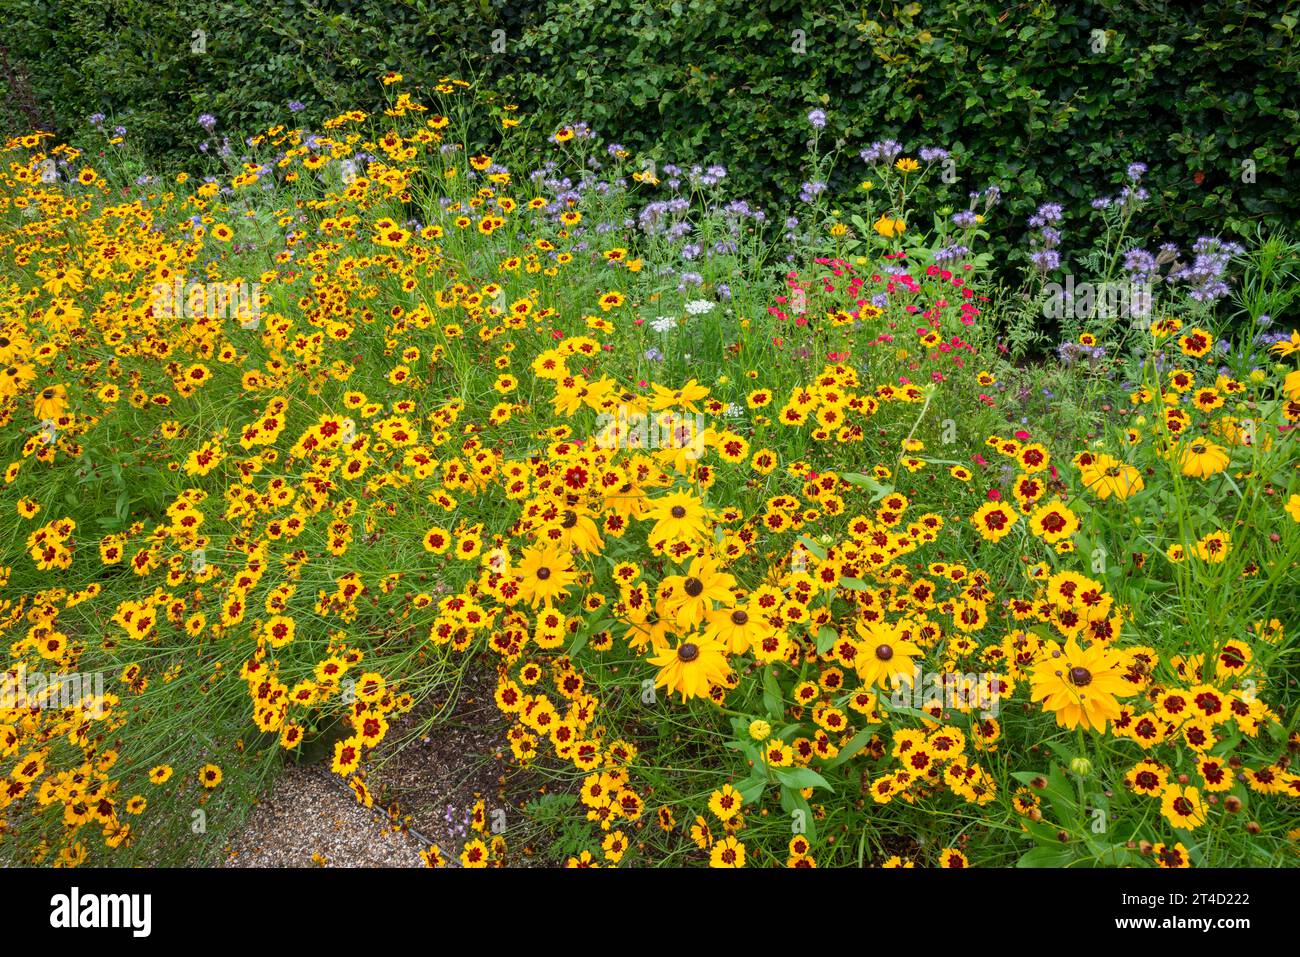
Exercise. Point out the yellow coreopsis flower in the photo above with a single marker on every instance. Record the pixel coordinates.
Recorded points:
(725, 803)
(728, 852)
(1182, 806)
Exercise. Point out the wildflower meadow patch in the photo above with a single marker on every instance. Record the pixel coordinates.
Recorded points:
(776, 539)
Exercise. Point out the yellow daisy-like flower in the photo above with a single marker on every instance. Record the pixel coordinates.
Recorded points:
(883, 657)
(692, 668)
(1182, 806)
(725, 803)
(1105, 476)
(544, 575)
(1081, 685)
(1202, 459)
(889, 228)
(678, 517)
(695, 592)
(728, 852)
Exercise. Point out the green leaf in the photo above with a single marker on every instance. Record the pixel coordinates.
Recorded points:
(817, 549)
(856, 744)
(589, 628)
(773, 703)
(751, 789)
(1046, 857)
(801, 778)
(826, 636)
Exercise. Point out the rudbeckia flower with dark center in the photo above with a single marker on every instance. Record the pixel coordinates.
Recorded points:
(692, 668)
(1081, 685)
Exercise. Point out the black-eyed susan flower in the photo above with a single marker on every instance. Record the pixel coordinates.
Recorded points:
(1080, 685)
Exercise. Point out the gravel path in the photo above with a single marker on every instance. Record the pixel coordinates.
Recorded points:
(308, 820)
(434, 776)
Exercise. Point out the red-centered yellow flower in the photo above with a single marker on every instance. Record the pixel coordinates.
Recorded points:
(728, 852)
(1182, 807)
(994, 521)
(432, 857)
(692, 668)
(475, 855)
(1168, 856)
(1147, 777)
(725, 803)
(347, 756)
(1080, 686)
(1196, 343)
(544, 575)
(1053, 522)
(1214, 547)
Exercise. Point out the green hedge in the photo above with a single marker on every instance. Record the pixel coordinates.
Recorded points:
(1050, 100)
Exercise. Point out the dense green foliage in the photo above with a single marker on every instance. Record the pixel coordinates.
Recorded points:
(1052, 99)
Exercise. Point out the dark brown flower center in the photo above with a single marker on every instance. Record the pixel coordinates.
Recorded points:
(884, 652)
(688, 652)
(678, 512)
(570, 519)
(543, 574)
(694, 587)
(739, 616)
(1080, 677)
